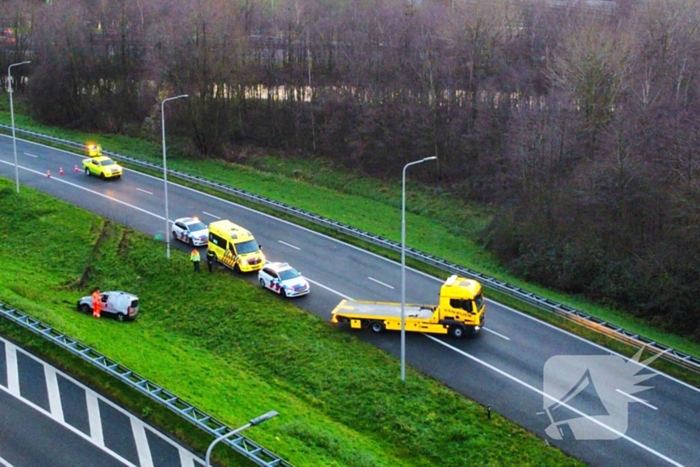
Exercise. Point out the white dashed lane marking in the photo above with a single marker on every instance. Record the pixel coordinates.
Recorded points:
(381, 283)
(496, 333)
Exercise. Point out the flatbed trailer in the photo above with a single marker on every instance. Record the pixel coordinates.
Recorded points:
(461, 311)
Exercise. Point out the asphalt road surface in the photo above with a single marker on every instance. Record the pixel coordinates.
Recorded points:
(518, 366)
(49, 419)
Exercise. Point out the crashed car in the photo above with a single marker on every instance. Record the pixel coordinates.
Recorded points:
(119, 305)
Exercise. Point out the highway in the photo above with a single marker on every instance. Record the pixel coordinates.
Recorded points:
(507, 367)
(49, 419)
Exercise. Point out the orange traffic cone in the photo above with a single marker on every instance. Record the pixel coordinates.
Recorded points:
(48, 173)
(76, 170)
(60, 171)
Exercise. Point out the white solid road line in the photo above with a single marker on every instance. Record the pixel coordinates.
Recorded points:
(144, 191)
(31, 155)
(554, 399)
(210, 215)
(313, 232)
(413, 270)
(96, 436)
(598, 346)
(381, 283)
(97, 193)
(289, 245)
(72, 429)
(4, 463)
(637, 399)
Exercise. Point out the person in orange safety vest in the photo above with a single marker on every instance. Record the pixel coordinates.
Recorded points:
(96, 303)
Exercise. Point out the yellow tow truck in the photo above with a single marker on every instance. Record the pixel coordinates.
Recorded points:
(460, 310)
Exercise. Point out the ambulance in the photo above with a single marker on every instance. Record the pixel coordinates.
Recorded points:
(235, 247)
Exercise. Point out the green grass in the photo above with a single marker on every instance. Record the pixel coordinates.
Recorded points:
(436, 222)
(236, 351)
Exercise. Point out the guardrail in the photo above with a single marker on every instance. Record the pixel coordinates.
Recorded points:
(211, 425)
(585, 319)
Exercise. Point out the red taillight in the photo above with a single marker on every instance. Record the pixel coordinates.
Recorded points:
(128, 310)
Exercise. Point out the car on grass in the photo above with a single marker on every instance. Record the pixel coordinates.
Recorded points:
(190, 230)
(117, 304)
(102, 166)
(283, 279)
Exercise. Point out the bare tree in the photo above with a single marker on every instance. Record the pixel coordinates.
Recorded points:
(592, 65)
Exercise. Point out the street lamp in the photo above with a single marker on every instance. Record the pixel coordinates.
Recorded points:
(403, 263)
(12, 117)
(165, 171)
(253, 422)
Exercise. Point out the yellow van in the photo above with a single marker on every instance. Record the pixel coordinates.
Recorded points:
(235, 246)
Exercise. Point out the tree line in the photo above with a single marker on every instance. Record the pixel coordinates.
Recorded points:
(579, 121)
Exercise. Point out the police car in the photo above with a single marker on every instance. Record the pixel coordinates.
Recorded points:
(190, 230)
(283, 279)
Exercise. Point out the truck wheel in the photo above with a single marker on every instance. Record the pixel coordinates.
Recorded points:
(377, 326)
(457, 330)
(120, 317)
(85, 308)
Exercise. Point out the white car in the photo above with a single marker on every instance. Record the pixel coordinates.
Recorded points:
(120, 305)
(283, 279)
(190, 230)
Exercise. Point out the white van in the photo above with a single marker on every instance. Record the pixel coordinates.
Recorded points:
(120, 305)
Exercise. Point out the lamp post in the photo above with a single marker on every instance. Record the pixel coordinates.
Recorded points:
(403, 263)
(165, 171)
(12, 117)
(253, 422)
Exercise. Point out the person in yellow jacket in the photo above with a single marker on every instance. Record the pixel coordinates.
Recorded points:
(194, 257)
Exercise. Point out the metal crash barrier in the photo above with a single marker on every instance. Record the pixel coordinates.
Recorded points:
(247, 448)
(589, 321)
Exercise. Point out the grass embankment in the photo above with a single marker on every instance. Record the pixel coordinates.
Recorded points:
(436, 223)
(236, 351)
